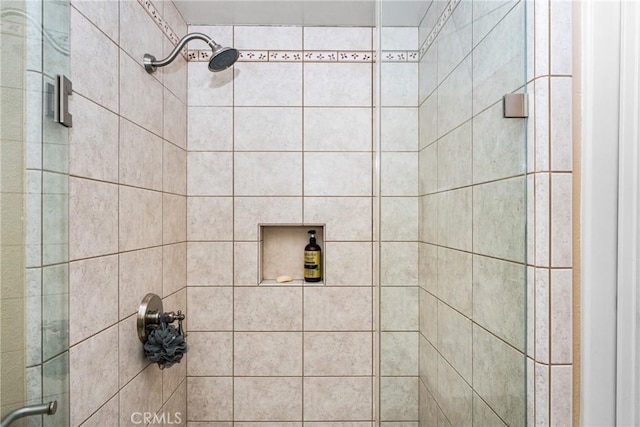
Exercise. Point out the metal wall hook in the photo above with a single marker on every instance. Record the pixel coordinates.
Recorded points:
(151, 314)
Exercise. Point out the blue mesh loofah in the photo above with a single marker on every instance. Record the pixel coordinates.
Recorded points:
(165, 346)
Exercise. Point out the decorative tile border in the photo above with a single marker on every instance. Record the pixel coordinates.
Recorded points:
(310, 56)
(162, 24)
(446, 14)
(296, 55)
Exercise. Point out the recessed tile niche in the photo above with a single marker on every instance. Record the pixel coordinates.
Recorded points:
(282, 252)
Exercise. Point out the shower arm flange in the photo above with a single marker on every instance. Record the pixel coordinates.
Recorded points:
(151, 63)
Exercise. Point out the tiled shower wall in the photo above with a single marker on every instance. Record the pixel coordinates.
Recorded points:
(287, 143)
(459, 341)
(472, 232)
(398, 174)
(549, 217)
(127, 210)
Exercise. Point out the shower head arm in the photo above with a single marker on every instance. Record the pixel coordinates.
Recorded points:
(150, 62)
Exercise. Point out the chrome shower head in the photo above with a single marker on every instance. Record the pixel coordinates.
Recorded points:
(221, 57)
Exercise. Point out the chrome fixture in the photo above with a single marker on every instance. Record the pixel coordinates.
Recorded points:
(150, 315)
(42, 409)
(516, 105)
(221, 57)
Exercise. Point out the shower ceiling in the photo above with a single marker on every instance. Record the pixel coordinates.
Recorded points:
(397, 13)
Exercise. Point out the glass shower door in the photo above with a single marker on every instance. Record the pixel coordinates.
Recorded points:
(452, 182)
(34, 206)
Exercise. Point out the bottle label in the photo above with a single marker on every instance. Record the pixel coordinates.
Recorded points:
(312, 265)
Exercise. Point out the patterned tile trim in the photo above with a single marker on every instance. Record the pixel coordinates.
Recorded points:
(310, 56)
(446, 14)
(296, 55)
(159, 20)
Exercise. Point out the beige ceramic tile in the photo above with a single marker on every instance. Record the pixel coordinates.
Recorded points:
(455, 98)
(130, 363)
(90, 312)
(93, 141)
(93, 218)
(399, 398)
(332, 38)
(267, 129)
(210, 218)
(399, 84)
(561, 316)
(210, 353)
(330, 398)
(499, 299)
(542, 388)
(175, 120)
(209, 263)
(337, 84)
(428, 365)
(348, 263)
(207, 89)
(502, 46)
(140, 95)
(337, 309)
(140, 157)
(499, 219)
(213, 308)
(174, 169)
(455, 270)
(498, 372)
(245, 264)
(249, 212)
(268, 309)
(209, 398)
(87, 358)
(140, 272)
(210, 128)
(350, 174)
(267, 37)
(399, 218)
(455, 39)
(455, 395)
(174, 221)
(140, 218)
(338, 353)
(174, 268)
(399, 129)
(337, 129)
(86, 41)
(399, 263)
(267, 399)
(103, 15)
(455, 222)
(139, 34)
(209, 174)
(267, 354)
(268, 84)
(267, 174)
(561, 220)
(345, 218)
(429, 317)
(399, 38)
(454, 340)
(498, 146)
(483, 415)
(399, 354)
(111, 410)
(561, 395)
(399, 308)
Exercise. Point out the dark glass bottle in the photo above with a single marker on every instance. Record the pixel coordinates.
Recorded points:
(312, 260)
